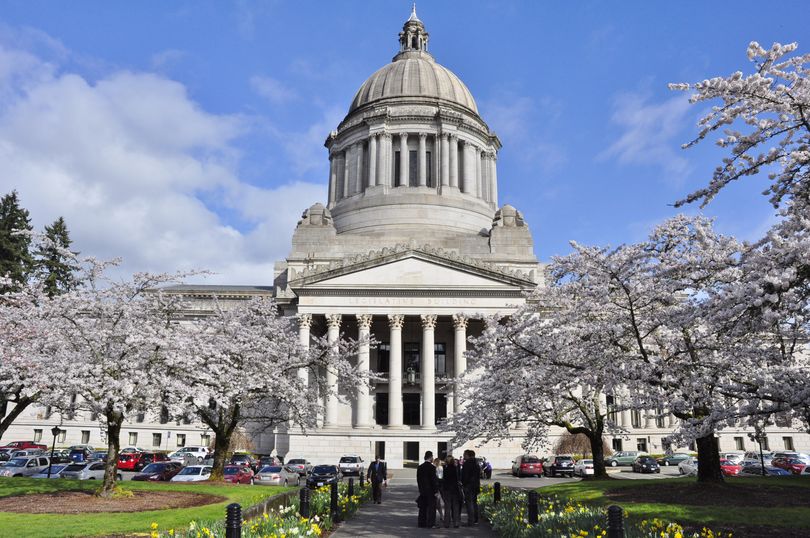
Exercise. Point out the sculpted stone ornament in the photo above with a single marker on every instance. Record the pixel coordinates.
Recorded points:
(396, 321)
(305, 320)
(364, 321)
(316, 215)
(460, 321)
(429, 321)
(509, 217)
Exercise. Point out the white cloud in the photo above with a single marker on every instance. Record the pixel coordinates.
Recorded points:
(649, 133)
(273, 90)
(128, 160)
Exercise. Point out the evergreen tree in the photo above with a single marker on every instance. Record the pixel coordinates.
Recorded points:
(54, 263)
(16, 261)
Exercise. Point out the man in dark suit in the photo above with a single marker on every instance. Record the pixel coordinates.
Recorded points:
(471, 482)
(377, 474)
(428, 484)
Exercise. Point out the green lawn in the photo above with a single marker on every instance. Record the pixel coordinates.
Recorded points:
(711, 515)
(55, 525)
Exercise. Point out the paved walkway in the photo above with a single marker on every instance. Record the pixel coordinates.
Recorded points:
(396, 516)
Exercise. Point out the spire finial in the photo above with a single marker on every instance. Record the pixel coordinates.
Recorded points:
(413, 16)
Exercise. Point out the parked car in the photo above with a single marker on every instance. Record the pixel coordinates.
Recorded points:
(238, 474)
(56, 471)
(527, 465)
(301, 466)
(193, 473)
(79, 454)
(734, 457)
(199, 452)
(86, 470)
(5, 454)
(794, 465)
(795, 455)
(159, 472)
(583, 468)
(60, 456)
(806, 471)
(755, 469)
(23, 445)
(729, 467)
(24, 466)
(752, 458)
(276, 475)
(688, 467)
(623, 457)
(245, 459)
(130, 450)
(673, 459)
(264, 461)
(98, 455)
(351, 464)
(559, 465)
(322, 475)
(28, 452)
(646, 464)
(136, 461)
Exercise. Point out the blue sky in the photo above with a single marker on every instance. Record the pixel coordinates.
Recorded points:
(190, 134)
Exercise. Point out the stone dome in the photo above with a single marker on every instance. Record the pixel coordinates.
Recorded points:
(416, 75)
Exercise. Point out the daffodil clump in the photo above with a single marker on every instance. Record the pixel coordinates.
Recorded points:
(284, 522)
(568, 519)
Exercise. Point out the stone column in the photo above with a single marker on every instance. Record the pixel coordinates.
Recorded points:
(372, 160)
(624, 418)
(332, 178)
(671, 420)
(479, 183)
(453, 161)
(485, 176)
(428, 373)
(493, 179)
(459, 360)
(384, 160)
(444, 171)
(468, 179)
(346, 168)
(422, 172)
(304, 324)
(359, 187)
(649, 418)
(395, 322)
(404, 176)
(331, 412)
(363, 415)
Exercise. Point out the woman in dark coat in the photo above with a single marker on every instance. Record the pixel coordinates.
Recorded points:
(451, 485)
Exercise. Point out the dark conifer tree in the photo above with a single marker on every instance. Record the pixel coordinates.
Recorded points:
(53, 261)
(16, 261)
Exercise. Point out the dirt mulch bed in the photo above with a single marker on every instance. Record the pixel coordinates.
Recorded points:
(85, 502)
(735, 494)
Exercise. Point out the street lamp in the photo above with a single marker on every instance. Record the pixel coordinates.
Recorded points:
(410, 374)
(55, 431)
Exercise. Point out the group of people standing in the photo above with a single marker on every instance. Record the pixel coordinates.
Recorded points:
(446, 485)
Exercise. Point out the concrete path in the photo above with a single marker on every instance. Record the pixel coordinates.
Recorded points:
(396, 516)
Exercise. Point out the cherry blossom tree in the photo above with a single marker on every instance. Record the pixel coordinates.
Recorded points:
(247, 367)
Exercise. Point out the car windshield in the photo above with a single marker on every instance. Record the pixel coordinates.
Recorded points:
(348, 459)
(17, 462)
(645, 459)
(240, 457)
(55, 469)
(75, 467)
(531, 459)
(271, 469)
(231, 470)
(191, 471)
(296, 462)
(586, 462)
(153, 468)
(324, 469)
(564, 458)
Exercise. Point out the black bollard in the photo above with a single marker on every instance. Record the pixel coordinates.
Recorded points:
(303, 509)
(351, 487)
(233, 521)
(496, 493)
(532, 508)
(333, 504)
(362, 481)
(615, 525)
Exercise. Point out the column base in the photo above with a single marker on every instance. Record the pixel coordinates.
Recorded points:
(431, 428)
(363, 426)
(394, 427)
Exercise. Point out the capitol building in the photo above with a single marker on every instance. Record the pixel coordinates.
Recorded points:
(411, 247)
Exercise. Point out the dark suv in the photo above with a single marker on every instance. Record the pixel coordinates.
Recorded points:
(559, 465)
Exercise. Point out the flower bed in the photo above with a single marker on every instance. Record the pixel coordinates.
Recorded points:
(568, 519)
(284, 521)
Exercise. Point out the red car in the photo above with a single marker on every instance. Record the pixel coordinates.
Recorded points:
(527, 465)
(729, 468)
(794, 465)
(138, 460)
(25, 445)
(238, 474)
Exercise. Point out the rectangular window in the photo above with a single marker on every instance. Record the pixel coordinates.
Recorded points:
(157, 439)
(383, 354)
(48, 412)
(85, 437)
(181, 439)
(616, 445)
(611, 408)
(739, 443)
(205, 439)
(381, 408)
(411, 408)
(397, 170)
(140, 417)
(61, 437)
(164, 414)
(429, 172)
(659, 418)
(765, 444)
(37, 435)
(440, 353)
(413, 170)
(133, 438)
(441, 407)
(635, 418)
(788, 441)
(641, 444)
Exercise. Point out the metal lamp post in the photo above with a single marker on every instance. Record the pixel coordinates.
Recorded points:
(410, 375)
(55, 431)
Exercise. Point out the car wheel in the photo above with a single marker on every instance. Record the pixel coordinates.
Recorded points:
(297, 481)
(119, 477)
(666, 463)
(614, 463)
(285, 482)
(199, 459)
(92, 478)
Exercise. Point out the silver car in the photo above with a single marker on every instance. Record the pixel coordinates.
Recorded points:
(56, 471)
(24, 466)
(276, 475)
(89, 470)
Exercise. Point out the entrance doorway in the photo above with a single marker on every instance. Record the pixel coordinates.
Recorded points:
(411, 406)
(442, 449)
(379, 450)
(411, 451)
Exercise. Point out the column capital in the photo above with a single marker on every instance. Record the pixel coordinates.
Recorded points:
(428, 321)
(304, 320)
(460, 321)
(452, 136)
(386, 135)
(423, 136)
(364, 321)
(396, 321)
(444, 136)
(333, 320)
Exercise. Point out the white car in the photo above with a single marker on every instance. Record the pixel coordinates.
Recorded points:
(87, 470)
(56, 471)
(351, 464)
(736, 457)
(199, 452)
(24, 466)
(276, 475)
(688, 467)
(583, 468)
(193, 473)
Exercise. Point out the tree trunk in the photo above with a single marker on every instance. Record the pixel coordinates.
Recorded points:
(598, 453)
(709, 459)
(114, 421)
(221, 444)
(19, 406)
